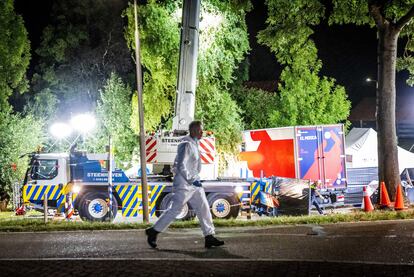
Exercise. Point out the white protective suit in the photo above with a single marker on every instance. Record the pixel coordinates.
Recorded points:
(186, 169)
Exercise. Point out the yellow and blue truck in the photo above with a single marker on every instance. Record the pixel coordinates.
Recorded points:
(84, 177)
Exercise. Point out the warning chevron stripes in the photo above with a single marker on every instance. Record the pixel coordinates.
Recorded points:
(150, 150)
(150, 144)
(208, 143)
(207, 151)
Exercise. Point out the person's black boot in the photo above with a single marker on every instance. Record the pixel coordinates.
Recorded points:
(151, 237)
(211, 241)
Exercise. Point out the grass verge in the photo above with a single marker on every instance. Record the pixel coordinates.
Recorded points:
(35, 224)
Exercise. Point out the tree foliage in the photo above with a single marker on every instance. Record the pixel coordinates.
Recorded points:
(362, 13)
(159, 36)
(79, 49)
(288, 30)
(307, 99)
(14, 53)
(19, 135)
(114, 114)
(304, 97)
(256, 106)
(223, 44)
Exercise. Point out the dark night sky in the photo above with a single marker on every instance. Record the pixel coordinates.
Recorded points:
(348, 53)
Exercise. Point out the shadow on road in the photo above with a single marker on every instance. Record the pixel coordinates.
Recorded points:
(213, 253)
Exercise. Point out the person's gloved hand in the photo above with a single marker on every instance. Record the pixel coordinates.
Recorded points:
(197, 183)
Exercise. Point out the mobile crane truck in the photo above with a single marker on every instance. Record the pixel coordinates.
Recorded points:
(56, 175)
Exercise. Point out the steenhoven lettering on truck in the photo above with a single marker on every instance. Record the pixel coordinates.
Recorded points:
(97, 174)
(171, 140)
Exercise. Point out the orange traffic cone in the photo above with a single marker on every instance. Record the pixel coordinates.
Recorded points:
(384, 198)
(399, 199)
(367, 201)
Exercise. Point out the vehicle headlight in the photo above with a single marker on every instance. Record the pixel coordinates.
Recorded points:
(238, 189)
(76, 188)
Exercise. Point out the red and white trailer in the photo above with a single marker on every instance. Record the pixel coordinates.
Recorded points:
(315, 153)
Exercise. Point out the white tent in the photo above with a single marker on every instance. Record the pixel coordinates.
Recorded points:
(361, 150)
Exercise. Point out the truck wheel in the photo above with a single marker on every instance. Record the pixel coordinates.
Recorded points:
(223, 206)
(93, 206)
(185, 214)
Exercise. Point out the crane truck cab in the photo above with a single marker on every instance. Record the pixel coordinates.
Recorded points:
(80, 175)
(47, 169)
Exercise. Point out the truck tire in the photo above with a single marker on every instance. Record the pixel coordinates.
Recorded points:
(223, 206)
(93, 206)
(186, 213)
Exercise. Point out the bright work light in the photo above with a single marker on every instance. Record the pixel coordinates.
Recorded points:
(76, 188)
(238, 189)
(83, 123)
(60, 130)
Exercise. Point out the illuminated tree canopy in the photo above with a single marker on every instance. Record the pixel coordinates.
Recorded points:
(304, 96)
(223, 45)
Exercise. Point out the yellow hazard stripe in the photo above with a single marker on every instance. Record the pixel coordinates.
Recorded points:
(54, 191)
(30, 191)
(131, 202)
(131, 189)
(46, 194)
(121, 195)
(268, 187)
(125, 211)
(141, 210)
(255, 189)
(25, 189)
(155, 194)
(36, 197)
(132, 211)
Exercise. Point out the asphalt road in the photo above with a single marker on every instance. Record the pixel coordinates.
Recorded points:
(375, 248)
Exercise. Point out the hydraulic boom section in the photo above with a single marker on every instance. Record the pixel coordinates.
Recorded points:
(186, 79)
(161, 148)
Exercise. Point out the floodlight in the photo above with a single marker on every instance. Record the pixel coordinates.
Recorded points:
(76, 188)
(60, 130)
(83, 123)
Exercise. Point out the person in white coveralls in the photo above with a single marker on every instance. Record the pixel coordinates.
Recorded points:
(187, 188)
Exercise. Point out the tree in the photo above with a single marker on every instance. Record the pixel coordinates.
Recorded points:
(304, 98)
(19, 135)
(223, 44)
(79, 50)
(256, 106)
(114, 114)
(14, 53)
(392, 20)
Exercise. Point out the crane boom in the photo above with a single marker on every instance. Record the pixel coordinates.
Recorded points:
(161, 147)
(187, 69)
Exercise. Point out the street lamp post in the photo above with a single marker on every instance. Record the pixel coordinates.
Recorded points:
(144, 184)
